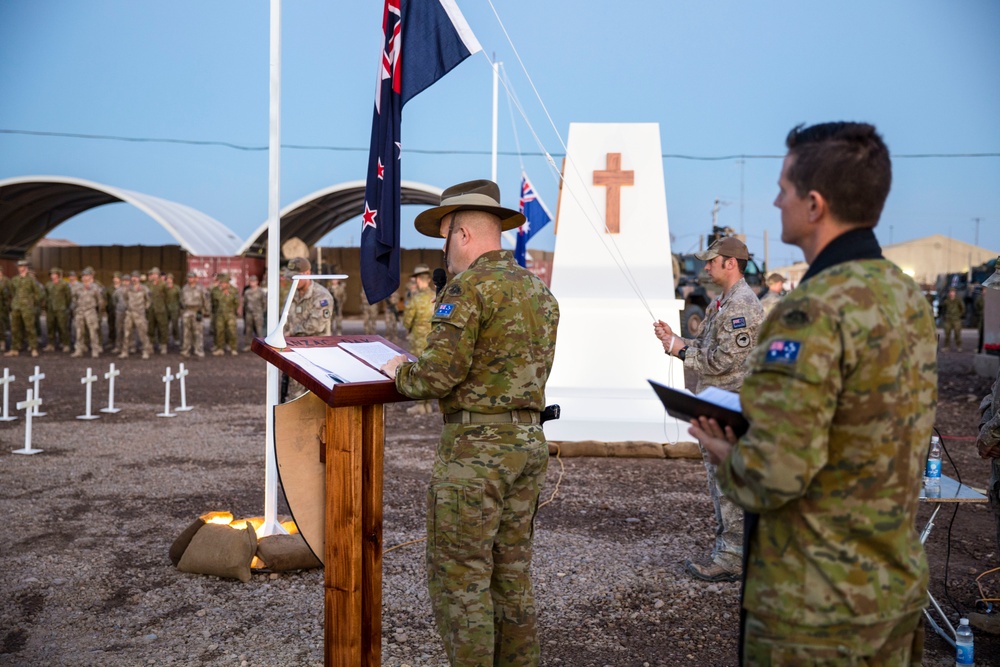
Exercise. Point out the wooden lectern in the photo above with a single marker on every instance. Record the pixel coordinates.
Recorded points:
(329, 447)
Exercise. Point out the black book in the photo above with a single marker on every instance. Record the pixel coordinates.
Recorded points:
(684, 406)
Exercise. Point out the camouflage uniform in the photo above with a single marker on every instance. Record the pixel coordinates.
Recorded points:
(489, 352)
(196, 305)
(88, 302)
(952, 312)
(391, 316)
(339, 292)
(370, 312)
(989, 446)
(109, 309)
(417, 320)
(254, 310)
(769, 301)
(121, 305)
(225, 319)
(840, 395)
(309, 315)
(173, 293)
(137, 302)
(4, 310)
(27, 296)
(57, 304)
(158, 317)
(718, 357)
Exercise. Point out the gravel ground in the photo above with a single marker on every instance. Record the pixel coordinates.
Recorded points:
(90, 520)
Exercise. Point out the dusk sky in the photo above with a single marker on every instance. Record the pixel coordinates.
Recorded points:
(721, 79)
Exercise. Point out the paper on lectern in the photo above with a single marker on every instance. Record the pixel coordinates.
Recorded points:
(339, 365)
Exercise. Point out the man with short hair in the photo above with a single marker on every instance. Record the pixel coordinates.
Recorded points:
(717, 357)
(88, 302)
(775, 290)
(488, 357)
(840, 398)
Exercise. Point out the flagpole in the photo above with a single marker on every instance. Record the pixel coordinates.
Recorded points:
(496, 98)
(271, 525)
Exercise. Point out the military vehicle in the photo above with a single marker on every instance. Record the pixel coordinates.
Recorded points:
(695, 288)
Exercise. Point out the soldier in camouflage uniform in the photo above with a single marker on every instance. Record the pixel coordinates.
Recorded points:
(952, 311)
(88, 302)
(228, 306)
(487, 360)
(158, 317)
(717, 356)
(417, 321)
(27, 295)
(309, 314)
(254, 311)
(196, 305)
(775, 290)
(57, 304)
(173, 293)
(391, 315)
(137, 302)
(840, 397)
(109, 309)
(988, 444)
(121, 305)
(370, 313)
(4, 309)
(338, 289)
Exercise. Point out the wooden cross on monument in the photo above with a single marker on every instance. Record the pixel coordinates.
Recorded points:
(613, 178)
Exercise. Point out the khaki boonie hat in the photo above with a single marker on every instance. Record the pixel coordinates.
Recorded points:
(295, 266)
(23, 262)
(727, 246)
(775, 279)
(480, 195)
(421, 269)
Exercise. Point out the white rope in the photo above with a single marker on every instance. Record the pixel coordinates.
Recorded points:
(510, 109)
(604, 236)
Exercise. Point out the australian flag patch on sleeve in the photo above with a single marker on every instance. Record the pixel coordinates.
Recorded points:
(783, 352)
(324, 303)
(444, 310)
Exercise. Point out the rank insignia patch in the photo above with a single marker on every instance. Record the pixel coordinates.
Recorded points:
(783, 352)
(444, 310)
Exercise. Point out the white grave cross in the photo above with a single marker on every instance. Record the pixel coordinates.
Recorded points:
(110, 377)
(181, 374)
(166, 399)
(36, 378)
(29, 404)
(89, 380)
(5, 381)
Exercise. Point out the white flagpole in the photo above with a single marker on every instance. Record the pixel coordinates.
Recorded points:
(271, 525)
(496, 81)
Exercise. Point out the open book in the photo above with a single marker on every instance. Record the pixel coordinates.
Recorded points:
(722, 405)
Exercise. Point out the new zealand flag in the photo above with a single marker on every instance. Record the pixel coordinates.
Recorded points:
(536, 214)
(422, 40)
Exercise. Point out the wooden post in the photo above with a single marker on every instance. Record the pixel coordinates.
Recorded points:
(353, 559)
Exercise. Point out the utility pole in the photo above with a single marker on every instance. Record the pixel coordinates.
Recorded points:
(977, 221)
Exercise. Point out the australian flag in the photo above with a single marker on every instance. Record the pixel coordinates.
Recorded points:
(536, 214)
(422, 40)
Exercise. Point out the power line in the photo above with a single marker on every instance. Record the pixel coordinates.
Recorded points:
(428, 151)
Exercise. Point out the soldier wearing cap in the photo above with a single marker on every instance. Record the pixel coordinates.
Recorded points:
(840, 397)
(775, 290)
(27, 295)
(158, 316)
(120, 298)
(717, 357)
(417, 321)
(309, 314)
(4, 309)
(254, 311)
(197, 305)
(58, 299)
(487, 359)
(228, 307)
(109, 308)
(338, 289)
(173, 293)
(88, 302)
(137, 303)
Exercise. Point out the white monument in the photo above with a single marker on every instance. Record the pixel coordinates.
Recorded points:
(181, 374)
(37, 378)
(612, 266)
(29, 405)
(5, 381)
(167, 378)
(89, 379)
(110, 377)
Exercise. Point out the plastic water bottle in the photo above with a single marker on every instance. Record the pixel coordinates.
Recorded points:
(932, 473)
(963, 644)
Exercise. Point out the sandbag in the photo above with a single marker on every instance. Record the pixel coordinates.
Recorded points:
(220, 550)
(282, 553)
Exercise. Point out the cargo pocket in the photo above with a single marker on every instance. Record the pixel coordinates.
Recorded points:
(455, 519)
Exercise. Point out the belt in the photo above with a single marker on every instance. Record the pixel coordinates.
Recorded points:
(513, 417)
